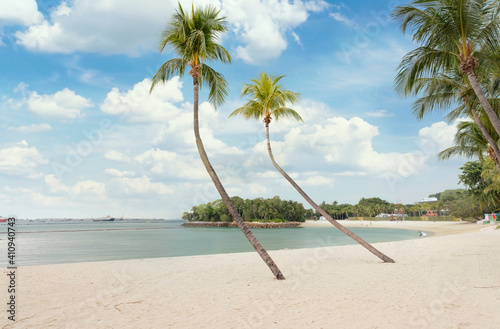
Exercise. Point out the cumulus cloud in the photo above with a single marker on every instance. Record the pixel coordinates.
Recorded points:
(338, 146)
(137, 105)
(116, 156)
(133, 27)
(21, 160)
(165, 106)
(81, 188)
(139, 185)
(22, 12)
(262, 25)
(171, 164)
(111, 27)
(438, 136)
(64, 104)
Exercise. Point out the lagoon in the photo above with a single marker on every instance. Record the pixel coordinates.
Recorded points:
(85, 241)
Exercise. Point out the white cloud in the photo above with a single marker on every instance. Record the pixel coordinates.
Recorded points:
(337, 146)
(378, 114)
(296, 38)
(171, 164)
(161, 107)
(55, 185)
(110, 27)
(20, 159)
(33, 198)
(345, 20)
(33, 128)
(116, 156)
(261, 25)
(268, 174)
(64, 104)
(23, 12)
(137, 105)
(84, 188)
(118, 173)
(133, 27)
(438, 136)
(139, 185)
(256, 189)
(316, 180)
(89, 187)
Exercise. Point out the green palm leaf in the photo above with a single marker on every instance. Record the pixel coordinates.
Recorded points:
(267, 99)
(194, 36)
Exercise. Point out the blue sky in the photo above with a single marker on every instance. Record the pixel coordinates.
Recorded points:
(82, 137)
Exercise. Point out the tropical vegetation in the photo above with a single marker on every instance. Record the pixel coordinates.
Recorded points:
(259, 209)
(194, 35)
(449, 205)
(456, 68)
(268, 99)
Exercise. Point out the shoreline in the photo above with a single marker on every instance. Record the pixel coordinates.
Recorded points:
(448, 280)
(435, 228)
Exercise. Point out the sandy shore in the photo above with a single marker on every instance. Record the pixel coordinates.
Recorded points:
(429, 227)
(448, 280)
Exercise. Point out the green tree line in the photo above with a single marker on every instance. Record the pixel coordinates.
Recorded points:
(259, 209)
(457, 203)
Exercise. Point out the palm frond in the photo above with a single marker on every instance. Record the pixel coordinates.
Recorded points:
(193, 35)
(168, 70)
(267, 98)
(218, 87)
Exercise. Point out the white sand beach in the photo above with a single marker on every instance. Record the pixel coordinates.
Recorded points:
(447, 280)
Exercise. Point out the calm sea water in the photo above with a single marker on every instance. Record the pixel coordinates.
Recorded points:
(70, 242)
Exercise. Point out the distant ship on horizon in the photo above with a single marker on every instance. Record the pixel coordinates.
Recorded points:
(107, 219)
(3, 220)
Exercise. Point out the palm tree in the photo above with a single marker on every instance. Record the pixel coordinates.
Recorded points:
(268, 99)
(194, 37)
(444, 90)
(451, 33)
(470, 143)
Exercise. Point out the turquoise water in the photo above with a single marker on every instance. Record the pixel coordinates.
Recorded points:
(70, 242)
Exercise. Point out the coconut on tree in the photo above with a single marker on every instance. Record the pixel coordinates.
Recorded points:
(194, 37)
(267, 100)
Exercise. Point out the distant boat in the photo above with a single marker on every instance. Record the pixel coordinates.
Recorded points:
(3, 220)
(104, 220)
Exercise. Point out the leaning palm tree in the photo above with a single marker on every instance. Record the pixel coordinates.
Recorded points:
(194, 37)
(450, 33)
(269, 99)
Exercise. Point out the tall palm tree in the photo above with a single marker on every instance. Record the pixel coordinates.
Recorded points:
(451, 33)
(194, 37)
(268, 99)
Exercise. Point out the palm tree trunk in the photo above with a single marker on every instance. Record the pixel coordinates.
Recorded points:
(495, 121)
(493, 143)
(355, 237)
(225, 197)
